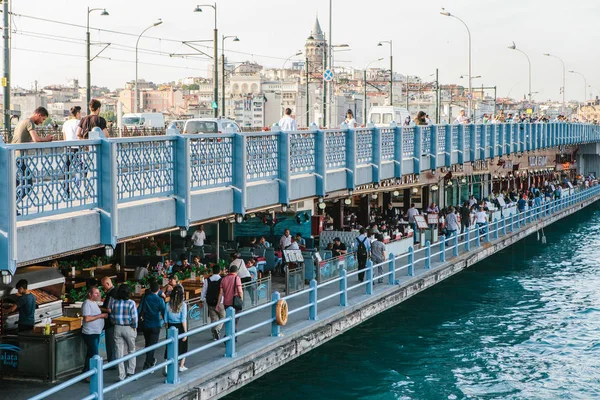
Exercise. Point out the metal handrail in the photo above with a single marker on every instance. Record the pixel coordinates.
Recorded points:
(530, 216)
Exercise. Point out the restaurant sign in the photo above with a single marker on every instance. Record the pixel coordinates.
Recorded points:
(538, 161)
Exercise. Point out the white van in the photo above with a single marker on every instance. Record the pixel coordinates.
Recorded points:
(143, 120)
(381, 116)
(211, 125)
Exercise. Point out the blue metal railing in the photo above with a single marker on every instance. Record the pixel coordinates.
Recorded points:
(427, 257)
(42, 179)
(61, 177)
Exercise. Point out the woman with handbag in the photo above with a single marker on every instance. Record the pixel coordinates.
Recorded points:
(231, 293)
(176, 316)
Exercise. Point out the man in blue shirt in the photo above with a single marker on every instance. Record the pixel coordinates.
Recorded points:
(521, 204)
(152, 313)
(26, 305)
(362, 244)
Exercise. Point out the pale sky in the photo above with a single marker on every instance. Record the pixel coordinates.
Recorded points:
(272, 30)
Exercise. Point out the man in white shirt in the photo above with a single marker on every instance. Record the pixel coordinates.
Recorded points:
(412, 211)
(285, 240)
(199, 237)
(462, 118)
(287, 123)
(93, 324)
(481, 218)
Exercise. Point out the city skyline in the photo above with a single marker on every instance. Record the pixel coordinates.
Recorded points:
(423, 41)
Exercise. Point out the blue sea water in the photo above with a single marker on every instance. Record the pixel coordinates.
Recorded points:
(522, 324)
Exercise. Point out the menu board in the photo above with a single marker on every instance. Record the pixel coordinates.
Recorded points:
(420, 221)
(433, 219)
(501, 202)
(570, 185)
(294, 256)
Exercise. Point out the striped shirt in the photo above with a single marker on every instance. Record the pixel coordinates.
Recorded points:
(124, 312)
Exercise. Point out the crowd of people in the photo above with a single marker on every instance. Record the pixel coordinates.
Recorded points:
(500, 117)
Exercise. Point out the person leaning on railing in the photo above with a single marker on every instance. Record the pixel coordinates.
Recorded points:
(25, 132)
(91, 121)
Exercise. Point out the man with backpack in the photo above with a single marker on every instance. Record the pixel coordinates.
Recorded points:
(210, 294)
(363, 249)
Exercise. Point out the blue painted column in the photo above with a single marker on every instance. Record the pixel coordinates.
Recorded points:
(494, 140)
(8, 211)
(275, 327)
(230, 333)
(343, 288)
(391, 269)
(181, 172)
(97, 380)
(448, 149)
(283, 164)
(503, 226)
(433, 163)
(417, 150)
(240, 172)
(107, 188)
(427, 254)
(461, 144)
(483, 141)
(468, 239)
(471, 134)
(369, 285)
(521, 127)
(320, 160)
(173, 355)
(443, 248)
(455, 247)
(350, 156)
(501, 137)
(411, 261)
(398, 134)
(312, 296)
(376, 167)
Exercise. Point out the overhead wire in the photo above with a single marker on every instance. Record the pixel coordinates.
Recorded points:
(136, 35)
(104, 58)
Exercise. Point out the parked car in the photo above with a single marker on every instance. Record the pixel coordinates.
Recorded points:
(210, 125)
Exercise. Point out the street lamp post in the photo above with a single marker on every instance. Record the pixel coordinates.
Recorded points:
(584, 83)
(564, 80)
(365, 96)
(298, 53)
(470, 95)
(137, 94)
(391, 69)
(215, 55)
(235, 39)
(514, 47)
(88, 90)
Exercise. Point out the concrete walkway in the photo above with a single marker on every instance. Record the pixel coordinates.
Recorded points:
(211, 363)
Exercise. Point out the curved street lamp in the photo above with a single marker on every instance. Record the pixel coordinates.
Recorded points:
(584, 83)
(513, 46)
(137, 94)
(380, 44)
(235, 39)
(88, 90)
(298, 53)
(365, 85)
(564, 80)
(198, 9)
(447, 14)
